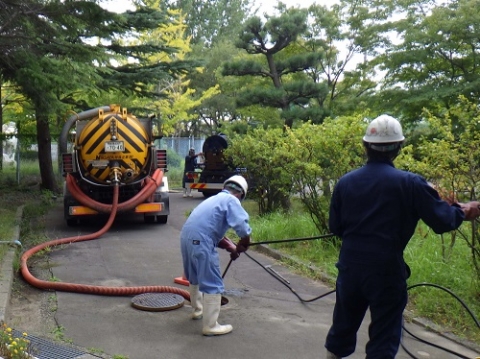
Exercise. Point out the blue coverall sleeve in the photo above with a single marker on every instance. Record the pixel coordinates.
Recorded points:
(237, 218)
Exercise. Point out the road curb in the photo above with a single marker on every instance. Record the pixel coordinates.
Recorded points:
(6, 281)
(6, 275)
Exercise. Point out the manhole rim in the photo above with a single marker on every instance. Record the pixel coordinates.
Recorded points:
(149, 302)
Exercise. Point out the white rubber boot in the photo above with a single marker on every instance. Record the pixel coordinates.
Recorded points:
(189, 192)
(184, 192)
(196, 302)
(211, 310)
(330, 355)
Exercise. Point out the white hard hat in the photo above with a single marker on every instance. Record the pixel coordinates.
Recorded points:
(382, 130)
(238, 183)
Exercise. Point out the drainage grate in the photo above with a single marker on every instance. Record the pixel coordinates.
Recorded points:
(157, 302)
(44, 349)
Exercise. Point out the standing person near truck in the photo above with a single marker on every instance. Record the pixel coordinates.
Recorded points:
(201, 235)
(375, 210)
(190, 165)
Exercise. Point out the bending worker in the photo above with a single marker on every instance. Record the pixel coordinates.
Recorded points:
(375, 210)
(201, 234)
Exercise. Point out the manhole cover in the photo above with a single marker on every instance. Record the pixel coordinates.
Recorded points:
(157, 302)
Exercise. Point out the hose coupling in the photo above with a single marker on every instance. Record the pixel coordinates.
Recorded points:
(115, 174)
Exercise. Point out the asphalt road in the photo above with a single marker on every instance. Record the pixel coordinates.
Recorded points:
(268, 320)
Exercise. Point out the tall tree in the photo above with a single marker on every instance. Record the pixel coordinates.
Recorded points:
(286, 87)
(212, 114)
(178, 99)
(435, 59)
(346, 34)
(209, 21)
(54, 59)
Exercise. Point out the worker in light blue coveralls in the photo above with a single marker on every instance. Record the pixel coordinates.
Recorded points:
(375, 210)
(201, 235)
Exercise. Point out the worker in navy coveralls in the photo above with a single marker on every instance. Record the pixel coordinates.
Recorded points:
(374, 210)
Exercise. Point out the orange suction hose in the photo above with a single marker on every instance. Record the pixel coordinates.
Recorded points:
(147, 191)
(92, 289)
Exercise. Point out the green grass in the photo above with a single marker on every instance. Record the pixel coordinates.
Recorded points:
(174, 176)
(7, 220)
(454, 271)
(321, 253)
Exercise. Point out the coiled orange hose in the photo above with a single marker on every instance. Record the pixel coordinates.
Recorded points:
(92, 289)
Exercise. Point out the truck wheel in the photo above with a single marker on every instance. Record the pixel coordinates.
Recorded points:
(149, 219)
(73, 222)
(162, 219)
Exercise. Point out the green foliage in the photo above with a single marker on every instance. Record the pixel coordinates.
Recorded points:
(14, 347)
(435, 57)
(449, 154)
(212, 21)
(322, 253)
(305, 161)
(287, 89)
(258, 152)
(316, 156)
(173, 159)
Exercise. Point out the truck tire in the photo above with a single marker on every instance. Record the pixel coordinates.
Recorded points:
(162, 219)
(72, 222)
(149, 219)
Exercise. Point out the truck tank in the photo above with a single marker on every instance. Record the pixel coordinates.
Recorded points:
(108, 146)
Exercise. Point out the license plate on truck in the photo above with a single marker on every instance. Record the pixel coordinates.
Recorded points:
(114, 146)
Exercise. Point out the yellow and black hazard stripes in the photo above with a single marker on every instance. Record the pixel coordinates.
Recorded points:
(128, 134)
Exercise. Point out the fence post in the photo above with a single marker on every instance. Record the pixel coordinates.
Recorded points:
(17, 156)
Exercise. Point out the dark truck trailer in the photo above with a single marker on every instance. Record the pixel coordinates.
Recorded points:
(216, 167)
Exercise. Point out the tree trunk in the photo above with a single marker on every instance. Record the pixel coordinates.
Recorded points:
(44, 142)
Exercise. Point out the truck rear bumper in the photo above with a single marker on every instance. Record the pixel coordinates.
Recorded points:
(153, 208)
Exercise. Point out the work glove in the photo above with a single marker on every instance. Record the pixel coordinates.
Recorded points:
(243, 244)
(230, 247)
(471, 210)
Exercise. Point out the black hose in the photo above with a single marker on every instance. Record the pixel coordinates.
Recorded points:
(472, 315)
(226, 269)
(293, 239)
(281, 280)
(428, 343)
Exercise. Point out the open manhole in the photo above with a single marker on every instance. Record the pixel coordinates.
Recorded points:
(157, 302)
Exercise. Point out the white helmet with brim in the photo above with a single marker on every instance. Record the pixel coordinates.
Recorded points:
(237, 183)
(384, 134)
